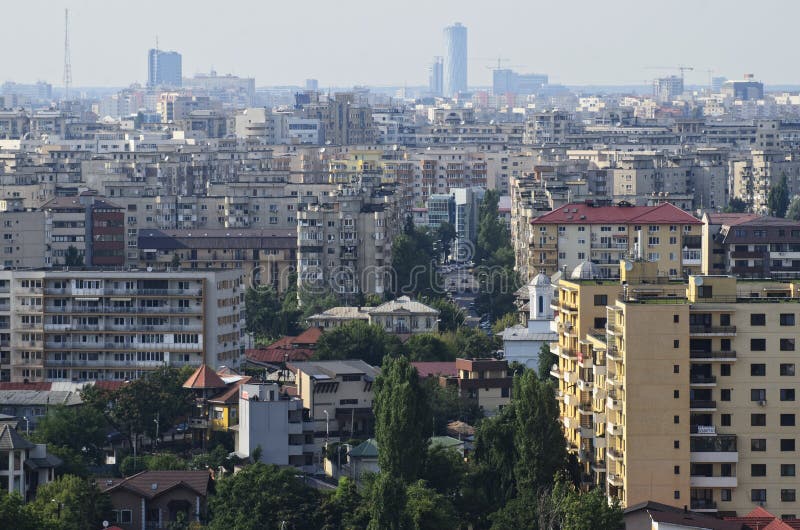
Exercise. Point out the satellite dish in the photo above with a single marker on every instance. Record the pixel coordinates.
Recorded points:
(105, 524)
(628, 266)
(698, 280)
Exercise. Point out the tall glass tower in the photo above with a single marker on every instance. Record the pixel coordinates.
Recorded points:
(455, 62)
(163, 68)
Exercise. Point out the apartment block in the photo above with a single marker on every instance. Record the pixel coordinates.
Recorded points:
(22, 234)
(751, 246)
(681, 392)
(83, 325)
(574, 233)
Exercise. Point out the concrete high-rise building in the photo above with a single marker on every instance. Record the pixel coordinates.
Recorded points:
(506, 81)
(164, 68)
(455, 62)
(436, 77)
(665, 89)
(682, 392)
(312, 85)
(745, 89)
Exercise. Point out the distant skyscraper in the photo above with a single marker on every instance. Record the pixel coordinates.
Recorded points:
(436, 77)
(163, 68)
(312, 85)
(666, 89)
(455, 62)
(716, 84)
(505, 81)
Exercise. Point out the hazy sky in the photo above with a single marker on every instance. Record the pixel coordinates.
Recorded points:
(346, 42)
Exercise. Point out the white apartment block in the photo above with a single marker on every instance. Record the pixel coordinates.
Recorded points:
(83, 325)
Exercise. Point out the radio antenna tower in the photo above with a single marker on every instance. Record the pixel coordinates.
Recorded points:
(67, 63)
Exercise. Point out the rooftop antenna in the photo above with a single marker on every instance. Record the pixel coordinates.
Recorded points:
(67, 62)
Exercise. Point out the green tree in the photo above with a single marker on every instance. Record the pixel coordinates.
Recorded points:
(498, 282)
(546, 361)
(793, 211)
(71, 503)
(166, 462)
(451, 317)
(73, 258)
(778, 198)
(445, 234)
(344, 509)
(736, 205)
(446, 405)
(495, 457)
(428, 347)
(402, 419)
(264, 496)
(134, 407)
(265, 315)
(444, 471)
(413, 263)
(581, 510)
(506, 321)
(75, 434)
(427, 509)
(357, 340)
(14, 513)
(313, 302)
(538, 439)
(387, 503)
(492, 232)
(473, 343)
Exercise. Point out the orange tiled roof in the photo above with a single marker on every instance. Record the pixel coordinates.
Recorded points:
(204, 377)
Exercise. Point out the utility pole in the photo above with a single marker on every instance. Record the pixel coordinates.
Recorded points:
(67, 62)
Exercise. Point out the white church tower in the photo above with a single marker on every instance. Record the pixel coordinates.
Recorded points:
(522, 344)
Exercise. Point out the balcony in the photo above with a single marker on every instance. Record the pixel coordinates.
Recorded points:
(709, 430)
(713, 355)
(615, 480)
(713, 331)
(613, 354)
(567, 353)
(702, 380)
(599, 466)
(571, 377)
(613, 404)
(696, 481)
(706, 505)
(702, 404)
(198, 423)
(614, 454)
(711, 449)
(614, 429)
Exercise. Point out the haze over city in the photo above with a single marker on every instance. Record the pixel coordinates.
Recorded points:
(360, 42)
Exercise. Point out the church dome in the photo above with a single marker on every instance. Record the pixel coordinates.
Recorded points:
(585, 271)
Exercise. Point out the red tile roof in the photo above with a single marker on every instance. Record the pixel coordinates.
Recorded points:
(761, 519)
(299, 348)
(204, 377)
(428, 369)
(582, 213)
(231, 395)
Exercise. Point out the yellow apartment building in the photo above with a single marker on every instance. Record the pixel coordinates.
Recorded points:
(681, 392)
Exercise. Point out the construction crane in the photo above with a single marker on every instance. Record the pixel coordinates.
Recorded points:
(500, 61)
(683, 69)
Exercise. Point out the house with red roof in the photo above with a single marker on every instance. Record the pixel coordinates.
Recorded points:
(153, 499)
(217, 398)
(588, 232)
(286, 349)
(761, 519)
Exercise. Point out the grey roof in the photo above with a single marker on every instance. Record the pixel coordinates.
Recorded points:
(520, 332)
(342, 313)
(10, 439)
(585, 271)
(403, 303)
(39, 397)
(217, 238)
(540, 279)
(332, 369)
(43, 463)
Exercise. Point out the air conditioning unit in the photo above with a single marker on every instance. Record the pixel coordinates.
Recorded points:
(762, 403)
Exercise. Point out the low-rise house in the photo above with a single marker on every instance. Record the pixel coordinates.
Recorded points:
(275, 425)
(402, 316)
(363, 458)
(484, 381)
(216, 397)
(652, 515)
(23, 465)
(338, 395)
(284, 350)
(153, 499)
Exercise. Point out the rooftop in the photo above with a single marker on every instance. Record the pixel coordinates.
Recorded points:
(583, 213)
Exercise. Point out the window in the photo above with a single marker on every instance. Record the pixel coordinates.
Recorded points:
(758, 394)
(758, 495)
(676, 494)
(676, 419)
(787, 495)
(758, 319)
(676, 368)
(600, 299)
(758, 369)
(676, 444)
(758, 470)
(787, 444)
(725, 319)
(677, 470)
(787, 420)
(758, 444)
(725, 495)
(787, 319)
(758, 344)
(787, 344)
(787, 470)
(676, 343)
(725, 394)
(725, 420)
(676, 318)
(758, 420)
(787, 369)
(705, 291)
(676, 394)
(725, 370)
(787, 394)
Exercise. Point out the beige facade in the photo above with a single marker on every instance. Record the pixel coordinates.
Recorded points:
(86, 325)
(681, 393)
(22, 235)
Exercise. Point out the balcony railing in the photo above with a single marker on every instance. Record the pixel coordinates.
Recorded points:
(703, 429)
(702, 404)
(712, 354)
(702, 379)
(712, 330)
(703, 504)
(721, 443)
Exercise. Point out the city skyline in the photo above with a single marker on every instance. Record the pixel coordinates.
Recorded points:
(579, 50)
